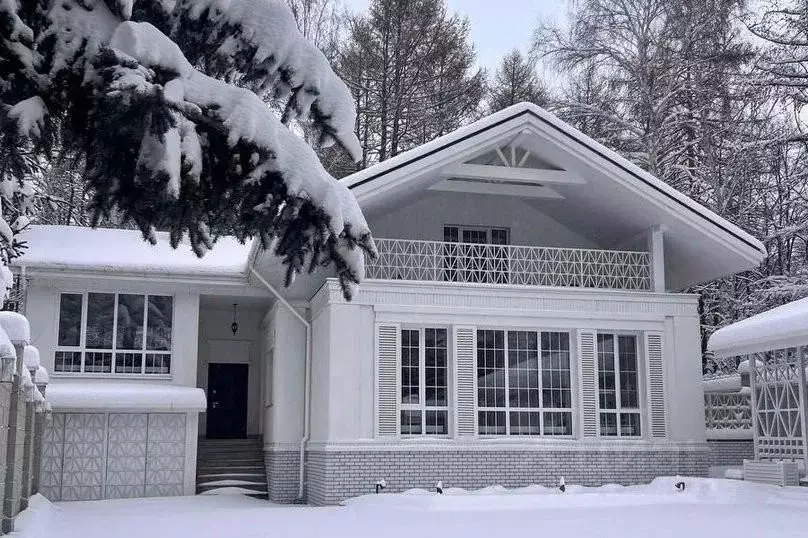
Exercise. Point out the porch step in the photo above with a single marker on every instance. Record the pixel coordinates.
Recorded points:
(231, 467)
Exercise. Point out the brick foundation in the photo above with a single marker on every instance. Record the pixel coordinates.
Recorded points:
(282, 475)
(731, 452)
(335, 476)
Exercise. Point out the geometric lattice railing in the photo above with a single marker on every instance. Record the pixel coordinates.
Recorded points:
(727, 413)
(778, 392)
(438, 261)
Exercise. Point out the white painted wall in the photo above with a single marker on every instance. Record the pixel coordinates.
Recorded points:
(42, 310)
(283, 420)
(214, 331)
(342, 371)
(425, 217)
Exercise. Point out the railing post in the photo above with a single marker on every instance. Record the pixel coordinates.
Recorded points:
(656, 250)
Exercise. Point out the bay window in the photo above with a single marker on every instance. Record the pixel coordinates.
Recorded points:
(106, 333)
(424, 382)
(618, 386)
(524, 384)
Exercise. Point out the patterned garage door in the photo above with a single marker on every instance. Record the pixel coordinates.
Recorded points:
(113, 455)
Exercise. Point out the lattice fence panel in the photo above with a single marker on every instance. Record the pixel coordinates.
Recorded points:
(778, 389)
(728, 411)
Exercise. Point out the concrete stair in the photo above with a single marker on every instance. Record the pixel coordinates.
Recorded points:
(231, 467)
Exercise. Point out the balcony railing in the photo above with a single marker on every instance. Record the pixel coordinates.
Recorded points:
(728, 414)
(437, 261)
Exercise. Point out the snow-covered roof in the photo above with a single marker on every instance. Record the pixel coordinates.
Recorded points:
(780, 327)
(617, 200)
(81, 249)
(64, 395)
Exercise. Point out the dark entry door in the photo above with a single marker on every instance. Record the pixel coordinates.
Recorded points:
(227, 401)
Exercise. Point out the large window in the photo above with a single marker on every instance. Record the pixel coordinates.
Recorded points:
(618, 386)
(524, 383)
(105, 333)
(424, 382)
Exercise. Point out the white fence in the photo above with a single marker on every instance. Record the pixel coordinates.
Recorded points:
(438, 261)
(728, 415)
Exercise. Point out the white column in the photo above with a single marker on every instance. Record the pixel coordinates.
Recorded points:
(656, 249)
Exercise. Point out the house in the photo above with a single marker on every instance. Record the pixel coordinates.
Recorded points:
(521, 323)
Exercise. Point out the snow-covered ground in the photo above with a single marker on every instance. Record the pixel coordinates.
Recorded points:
(708, 507)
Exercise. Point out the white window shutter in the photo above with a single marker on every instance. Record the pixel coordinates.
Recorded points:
(654, 358)
(465, 344)
(388, 349)
(587, 353)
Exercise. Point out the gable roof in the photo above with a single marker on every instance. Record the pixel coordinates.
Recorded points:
(639, 199)
(93, 250)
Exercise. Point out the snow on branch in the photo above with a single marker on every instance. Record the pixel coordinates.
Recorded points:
(30, 116)
(248, 119)
(260, 39)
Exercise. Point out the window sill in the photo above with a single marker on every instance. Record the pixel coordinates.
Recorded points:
(112, 376)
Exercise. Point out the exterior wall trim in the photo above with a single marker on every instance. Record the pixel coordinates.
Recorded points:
(509, 445)
(401, 296)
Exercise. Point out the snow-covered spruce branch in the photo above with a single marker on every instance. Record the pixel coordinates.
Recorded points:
(248, 126)
(163, 100)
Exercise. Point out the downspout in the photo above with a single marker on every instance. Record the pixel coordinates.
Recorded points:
(307, 389)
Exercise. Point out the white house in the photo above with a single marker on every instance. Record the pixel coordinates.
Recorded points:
(521, 323)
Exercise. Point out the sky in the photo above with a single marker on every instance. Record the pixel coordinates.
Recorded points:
(497, 26)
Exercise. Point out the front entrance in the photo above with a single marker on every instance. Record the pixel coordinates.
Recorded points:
(227, 401)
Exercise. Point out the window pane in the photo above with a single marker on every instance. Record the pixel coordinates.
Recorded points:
(410, 422)
(70, 319)
(491, 369)
(451, 234)
(523, 370)
(555, 365)
(525, 423)
(491, 422)
(130, 322)
(499, 236)
(161, 311)
(630, 424)
(437, 422)
(158, 363)
(435, 367)
(558, 423)
(608, 424)
(629, 390)
(100, 312)
(99, 362)
(410, 382)
(67, 361)
(128, 363)
(606, 380)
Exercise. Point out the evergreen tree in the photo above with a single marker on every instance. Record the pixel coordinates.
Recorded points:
(164, 101)
(516, 81)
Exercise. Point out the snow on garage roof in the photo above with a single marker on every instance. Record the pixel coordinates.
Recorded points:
(64, 395)
(82, 249)
(784, 326)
